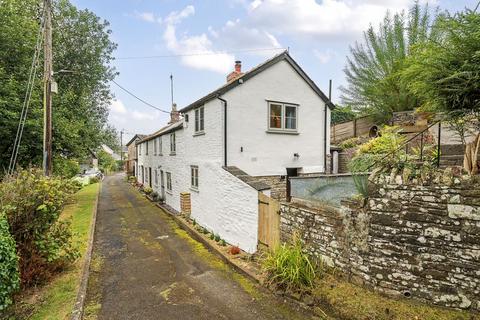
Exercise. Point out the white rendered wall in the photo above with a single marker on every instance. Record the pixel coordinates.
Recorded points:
(222, 203)
(268, 153)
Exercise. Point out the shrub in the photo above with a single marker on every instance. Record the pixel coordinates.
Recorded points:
(289, 267)
(132, 179)
(223, 243)
(212, 236)
(66, 168)
(147, 190)
(194, 222)
(217, 237)
(9, 273)
(93, 180)
(350, 143)
(32, 204)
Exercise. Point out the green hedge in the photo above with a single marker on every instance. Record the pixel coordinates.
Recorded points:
(9, 273)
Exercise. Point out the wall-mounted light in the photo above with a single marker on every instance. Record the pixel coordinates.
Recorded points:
(296, 155)
(241, 149)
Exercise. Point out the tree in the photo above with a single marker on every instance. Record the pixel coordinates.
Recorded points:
(445, 75)
(106, 162)
(81, 45)
(343, 114)
(373, 70)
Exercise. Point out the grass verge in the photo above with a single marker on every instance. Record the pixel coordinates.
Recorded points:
(55, 300)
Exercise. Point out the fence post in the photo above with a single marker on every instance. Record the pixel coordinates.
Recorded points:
(421, 147)
(438, 143)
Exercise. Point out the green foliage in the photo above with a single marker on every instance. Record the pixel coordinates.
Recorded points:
(106, 162)
(32, 204)
(147, 190)
(289, 267)
(9, 273)
(212, 236)
(194, 222)
(82, 44)
(93, 180)
(445, 74)
(217, 237)
(66, 168)
(373, 70)
(388, 143)
(132, 179)
(350, 143)
(223, 243)
(343, 114)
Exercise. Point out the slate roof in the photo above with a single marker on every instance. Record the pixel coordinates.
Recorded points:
(140, 136)
(251, 73)
(248, 179)
(167, 129)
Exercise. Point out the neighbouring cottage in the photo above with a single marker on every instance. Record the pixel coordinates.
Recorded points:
(132, 154)
(248, 136)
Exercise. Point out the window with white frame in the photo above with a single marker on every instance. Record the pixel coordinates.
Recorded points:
(282, 116)
(146, 147)
(156, 177)
(160, 146)
(139, 149)
(173, 147)
(155, 146)
(194, 176)
(199, 119)
(169, 181)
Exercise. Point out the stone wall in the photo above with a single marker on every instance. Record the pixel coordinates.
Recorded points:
(417, 241)
(278, 185)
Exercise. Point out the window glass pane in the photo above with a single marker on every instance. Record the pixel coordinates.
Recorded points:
(276, 116)
(290, 117)
(201, 118)
(197, 120)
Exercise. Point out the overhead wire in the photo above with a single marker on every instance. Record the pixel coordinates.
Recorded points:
(140, 99)
(27, 98)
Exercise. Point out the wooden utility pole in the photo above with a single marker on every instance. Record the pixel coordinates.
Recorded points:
(47, 94)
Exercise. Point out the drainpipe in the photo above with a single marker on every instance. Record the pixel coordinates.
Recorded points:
(224, 130)
(325, 127)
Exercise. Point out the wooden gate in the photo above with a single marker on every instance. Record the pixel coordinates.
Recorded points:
(268, 221)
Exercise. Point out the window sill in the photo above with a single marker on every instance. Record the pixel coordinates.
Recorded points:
(173, 153)
(194, 189)
(199, 133)
(169, 192)
(283, 132)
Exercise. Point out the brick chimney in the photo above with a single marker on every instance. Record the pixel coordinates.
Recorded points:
(174, 114)
(236, 73)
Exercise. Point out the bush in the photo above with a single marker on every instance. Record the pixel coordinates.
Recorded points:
(66, 168)
(350, 143)
(93, 180)
(217, 237)
(234, 250)
(289, 267)
(9, 273)
(32, 204)
(132, 179)
(147, 190)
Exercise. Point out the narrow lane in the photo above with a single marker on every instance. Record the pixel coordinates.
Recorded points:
(145, 267)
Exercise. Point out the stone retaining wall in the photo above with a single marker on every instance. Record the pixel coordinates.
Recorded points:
(417, 241)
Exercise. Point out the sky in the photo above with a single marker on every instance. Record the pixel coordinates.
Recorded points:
(198, 42)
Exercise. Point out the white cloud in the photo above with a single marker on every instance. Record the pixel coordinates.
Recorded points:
(117, 106)
(210, 59)
(138, 115)
(145, 16)
(323, 56)
(327, 18)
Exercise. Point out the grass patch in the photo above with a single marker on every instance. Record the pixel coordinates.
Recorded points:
(56, 299)
(349, 301)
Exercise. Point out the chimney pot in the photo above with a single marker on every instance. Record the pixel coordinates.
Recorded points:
(238, 66)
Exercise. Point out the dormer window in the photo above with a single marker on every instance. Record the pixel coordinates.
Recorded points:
(199, 120)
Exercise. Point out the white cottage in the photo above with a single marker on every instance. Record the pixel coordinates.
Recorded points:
(246, 137)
